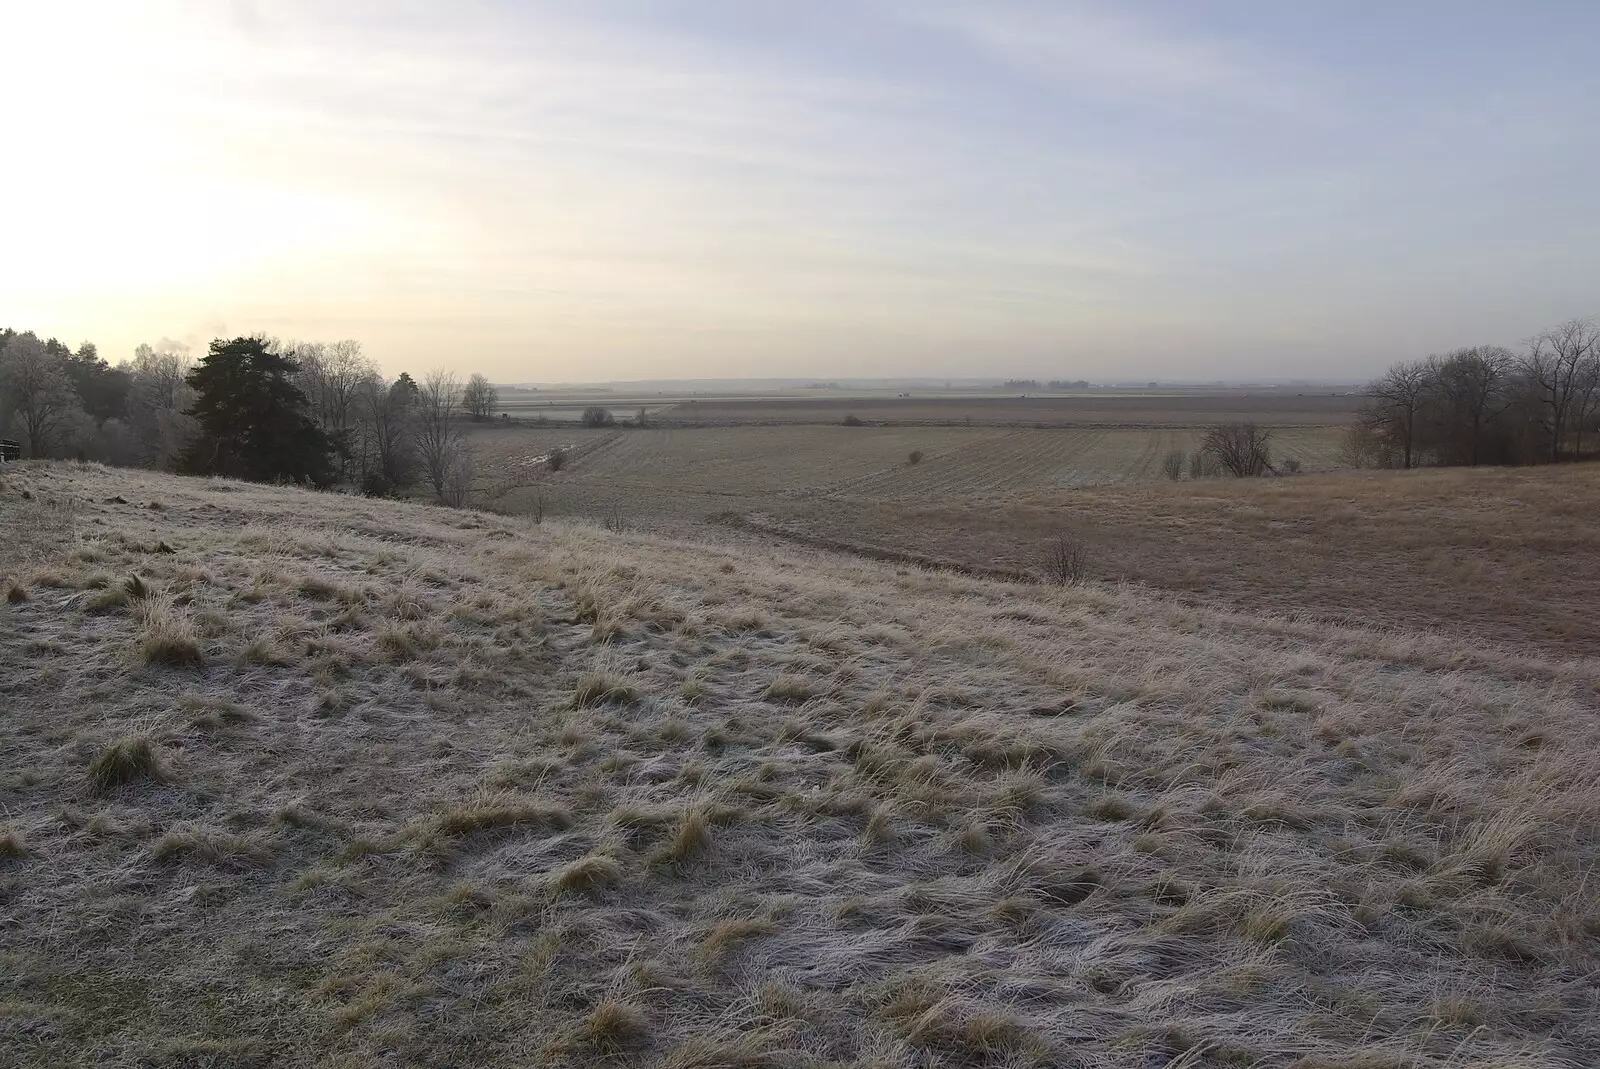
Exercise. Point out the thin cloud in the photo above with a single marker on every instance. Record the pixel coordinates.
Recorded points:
(1103, 52)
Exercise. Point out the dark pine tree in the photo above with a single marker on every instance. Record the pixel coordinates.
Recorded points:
(252, 417)
(102, 388)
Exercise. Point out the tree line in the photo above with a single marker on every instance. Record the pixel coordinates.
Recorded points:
(254, 408)
(1486, 405)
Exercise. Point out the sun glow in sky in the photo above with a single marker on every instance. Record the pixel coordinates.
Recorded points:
(651, 189)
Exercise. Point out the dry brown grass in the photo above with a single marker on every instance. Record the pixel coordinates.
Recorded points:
(1006, 825)
(1502, 555)
(124, 761)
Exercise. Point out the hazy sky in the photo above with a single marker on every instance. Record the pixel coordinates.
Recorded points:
(649, 188)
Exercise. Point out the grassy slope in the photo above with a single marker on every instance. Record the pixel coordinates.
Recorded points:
(350, 782)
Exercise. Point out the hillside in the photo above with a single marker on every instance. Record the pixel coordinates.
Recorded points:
(293, 779)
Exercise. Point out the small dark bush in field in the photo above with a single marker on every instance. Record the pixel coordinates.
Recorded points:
(1172, 465)
(915, 457)
(1065, 563)
(595, 416)
(1241, 449)
(853, 421)
(557, 459)
(1291, 465)
(375, 484)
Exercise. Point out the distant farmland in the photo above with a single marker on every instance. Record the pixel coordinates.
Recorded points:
(1121, 408)
(671, 476)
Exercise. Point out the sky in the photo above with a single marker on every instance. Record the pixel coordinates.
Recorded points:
(638, 189)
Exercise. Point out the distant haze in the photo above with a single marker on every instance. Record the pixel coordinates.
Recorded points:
(651, 189)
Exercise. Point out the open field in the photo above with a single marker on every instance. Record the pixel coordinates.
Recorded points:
(1143, 408)
(682, 475)
(1503, 555)
(293, 780)
(1287, 406)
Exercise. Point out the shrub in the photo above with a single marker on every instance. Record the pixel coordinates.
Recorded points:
(1065, 563)
(457, 485)
(376, 484)
(557, 459)
(1242, 450)
(853, 421)
(1291, 465)
(1172, 464)
(915, 457)
(595, 416)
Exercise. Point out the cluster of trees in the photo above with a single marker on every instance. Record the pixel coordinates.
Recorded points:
(1487, 405)
(1053, 384)
(57, 402)
(253, 408)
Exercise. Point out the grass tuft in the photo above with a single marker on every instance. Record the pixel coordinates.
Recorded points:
(114, 596)
(167, 637)
(595, 689)
(127, 760)
(588, 874)
(790, 689)
(614, 1026)
(692, 838)
(212, 846)
(490, 812)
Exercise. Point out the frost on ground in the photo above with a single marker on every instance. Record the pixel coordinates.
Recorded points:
(299, 779)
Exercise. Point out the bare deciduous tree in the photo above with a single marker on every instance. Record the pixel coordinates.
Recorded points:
(331, 376)
(1564, 364)
(438, 427)
(383, 419)
(480, 398)
(36, 393)
(1395, 406)
(158, 397)
(1558, 368)
(1240, 449)
(1469, 391)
